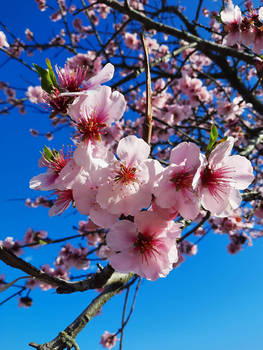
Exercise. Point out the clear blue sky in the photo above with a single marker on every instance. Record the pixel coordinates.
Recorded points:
(213, 301)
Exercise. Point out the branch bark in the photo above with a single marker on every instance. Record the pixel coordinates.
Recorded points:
(97, 280)
(202, 44)
(117, 282)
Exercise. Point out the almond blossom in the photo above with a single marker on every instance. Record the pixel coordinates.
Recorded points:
(146, 246)
(108, 340)
(219, 178)
(96, 109)
(128, 180)
(175, 190)
(35, 94)
(91, 158)
(63, 201)
(231, 17)
(55, 177)
(3, 41)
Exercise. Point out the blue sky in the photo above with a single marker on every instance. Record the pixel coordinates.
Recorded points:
(212, 301)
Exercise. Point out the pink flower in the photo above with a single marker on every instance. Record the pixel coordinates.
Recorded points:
(231, 17)
(131, 40)
(32, 236)
(102, 76)
(56, 176)
(41, 4)
(127, 186)
(175, 190)
(71, 79)
(220, 177)
(108, 340)
(88, 60)
(91, 158)
(230, 109)
(94, 109)
(14, 246)
(70, 256)
(247, 35)
(146, 246)
(258, 43)
(63, 201)
(3, 41)
(35, 94)
(29, 35)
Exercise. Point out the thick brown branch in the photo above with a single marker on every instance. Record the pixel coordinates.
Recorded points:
(12, 260)
(97, 280)
(117, 282)
(202, 44)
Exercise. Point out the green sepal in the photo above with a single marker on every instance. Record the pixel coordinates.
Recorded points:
(47, 153)
(50, 155)
(212, 141)
(218, 18)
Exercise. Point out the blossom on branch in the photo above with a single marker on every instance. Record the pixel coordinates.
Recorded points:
(146, 246)
(3, 41)
(220, 177)
(174, 189)
(96, 109)
(108, 340)
(128, 180)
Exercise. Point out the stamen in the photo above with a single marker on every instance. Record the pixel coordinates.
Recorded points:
(182, 180)
(216, 180)
(125, 174)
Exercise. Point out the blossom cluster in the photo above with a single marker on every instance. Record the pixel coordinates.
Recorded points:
(242, 30)
(128, 192)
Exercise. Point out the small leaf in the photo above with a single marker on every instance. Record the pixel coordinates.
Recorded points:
(42, 242)
(51, 73)
(218, 18)
(8, 285)
(214, 132)
(46, 82)
(212, 141)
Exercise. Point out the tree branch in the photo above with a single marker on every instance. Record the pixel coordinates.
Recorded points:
(202, 44)
(59, 343)
(97, 280)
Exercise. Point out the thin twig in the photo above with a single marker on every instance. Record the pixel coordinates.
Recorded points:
(205, 218)
(147, 125)
(117, 283)
(123, 316)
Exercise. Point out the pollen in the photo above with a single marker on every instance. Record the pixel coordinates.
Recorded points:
(90, 128)
(125, 174)
(144, 243)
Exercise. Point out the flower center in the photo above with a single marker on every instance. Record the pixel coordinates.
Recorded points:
(90, 128)
(125, 174)
(71, 79)
(182, 180)
(57, 160)
(216, 180)
(59, 103)
(144, 243)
